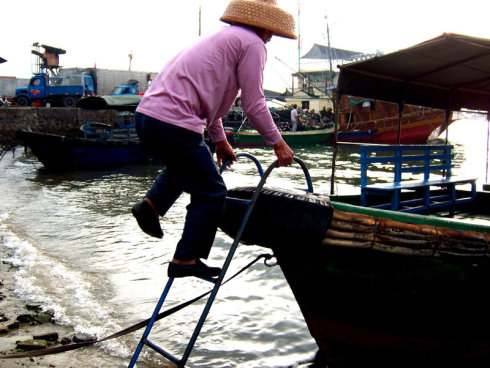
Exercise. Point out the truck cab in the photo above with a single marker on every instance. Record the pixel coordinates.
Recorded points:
(55, 90)
(125, 90)
(35, 90)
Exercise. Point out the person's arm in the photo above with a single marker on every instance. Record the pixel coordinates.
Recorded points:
(216, 130)
(250, 79)
(284, 153)
(224, 152)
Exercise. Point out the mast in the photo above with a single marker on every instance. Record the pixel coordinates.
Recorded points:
(488, 145)
(329, 51)
(299, 39)
(199, 20)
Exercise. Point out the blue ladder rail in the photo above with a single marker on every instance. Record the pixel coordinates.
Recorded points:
(218, 280)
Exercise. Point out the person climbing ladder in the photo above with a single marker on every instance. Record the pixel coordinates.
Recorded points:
(190, 94)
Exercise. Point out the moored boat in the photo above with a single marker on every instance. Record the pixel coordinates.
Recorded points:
(449, 284)
(95, 144)
(381, 287)
(375, 287)
(364, 120)
(58, 152)
(250, 137)
(360, 119)
(241, 134)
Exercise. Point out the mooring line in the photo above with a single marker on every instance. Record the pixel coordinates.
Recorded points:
(168, 312)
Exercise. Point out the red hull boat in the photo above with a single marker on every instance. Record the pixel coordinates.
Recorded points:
(369, 121)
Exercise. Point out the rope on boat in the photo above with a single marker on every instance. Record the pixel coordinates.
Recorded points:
(353, 230)
(142, 324)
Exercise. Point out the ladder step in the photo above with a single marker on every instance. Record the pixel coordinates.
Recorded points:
(238, 200)
(250, 203)
(158, 349)
(212, 280)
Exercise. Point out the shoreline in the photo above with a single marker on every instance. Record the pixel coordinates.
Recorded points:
(12, 306)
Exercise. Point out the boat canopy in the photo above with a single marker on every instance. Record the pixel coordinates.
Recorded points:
(117, 102)
(273, 95)
(450, 72)
(321, 52)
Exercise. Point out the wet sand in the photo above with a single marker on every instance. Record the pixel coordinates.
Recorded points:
(12, 306)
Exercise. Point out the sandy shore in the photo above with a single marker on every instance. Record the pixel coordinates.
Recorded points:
(12, 306)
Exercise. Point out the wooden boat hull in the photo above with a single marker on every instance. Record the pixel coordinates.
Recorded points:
(250, 138)
(415, 133)
(380, 292)
(385, 309)
(64, 153)
(378, 122)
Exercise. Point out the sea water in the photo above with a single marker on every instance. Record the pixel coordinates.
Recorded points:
(78, 251)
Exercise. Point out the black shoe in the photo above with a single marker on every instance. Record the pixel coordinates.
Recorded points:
(147, 219)
(198, 269)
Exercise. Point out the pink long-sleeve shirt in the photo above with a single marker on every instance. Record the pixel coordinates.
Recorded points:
(199, 85)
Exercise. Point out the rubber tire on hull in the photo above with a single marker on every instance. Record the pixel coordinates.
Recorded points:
(280, 218)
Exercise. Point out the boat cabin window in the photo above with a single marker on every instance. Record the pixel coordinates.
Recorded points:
(371, 104)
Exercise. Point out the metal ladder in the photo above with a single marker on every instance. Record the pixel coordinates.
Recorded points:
(250, 203)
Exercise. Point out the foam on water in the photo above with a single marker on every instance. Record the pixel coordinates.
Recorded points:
(68, 293)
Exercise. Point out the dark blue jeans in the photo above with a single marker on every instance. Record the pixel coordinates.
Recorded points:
(188, 167)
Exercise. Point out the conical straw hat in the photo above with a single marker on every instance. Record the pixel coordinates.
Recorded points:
(260, 13)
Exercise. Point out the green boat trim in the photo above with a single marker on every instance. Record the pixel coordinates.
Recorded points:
(412, 218)
(314, 136)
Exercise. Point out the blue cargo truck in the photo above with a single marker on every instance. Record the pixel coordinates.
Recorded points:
(44, 90)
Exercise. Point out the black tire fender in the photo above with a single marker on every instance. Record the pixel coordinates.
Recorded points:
(279, 218)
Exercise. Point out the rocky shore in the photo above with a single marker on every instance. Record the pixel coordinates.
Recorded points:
(53, 120)
(25, 327)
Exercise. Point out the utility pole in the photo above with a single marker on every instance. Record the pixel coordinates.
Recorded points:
(130, 59)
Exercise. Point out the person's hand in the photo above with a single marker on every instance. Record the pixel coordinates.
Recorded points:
(284, 153)
(224, 152)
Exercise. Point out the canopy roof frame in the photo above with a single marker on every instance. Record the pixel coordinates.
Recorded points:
(320, 52)
(448, 72)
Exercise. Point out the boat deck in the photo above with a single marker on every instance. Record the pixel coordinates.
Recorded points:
(477, 219)
(478, 214)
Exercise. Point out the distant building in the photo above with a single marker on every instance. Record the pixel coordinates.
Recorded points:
(312, 89)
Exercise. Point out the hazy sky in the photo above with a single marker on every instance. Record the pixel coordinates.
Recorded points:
(104, 32)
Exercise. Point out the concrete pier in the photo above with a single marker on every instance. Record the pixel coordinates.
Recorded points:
(54, 120)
